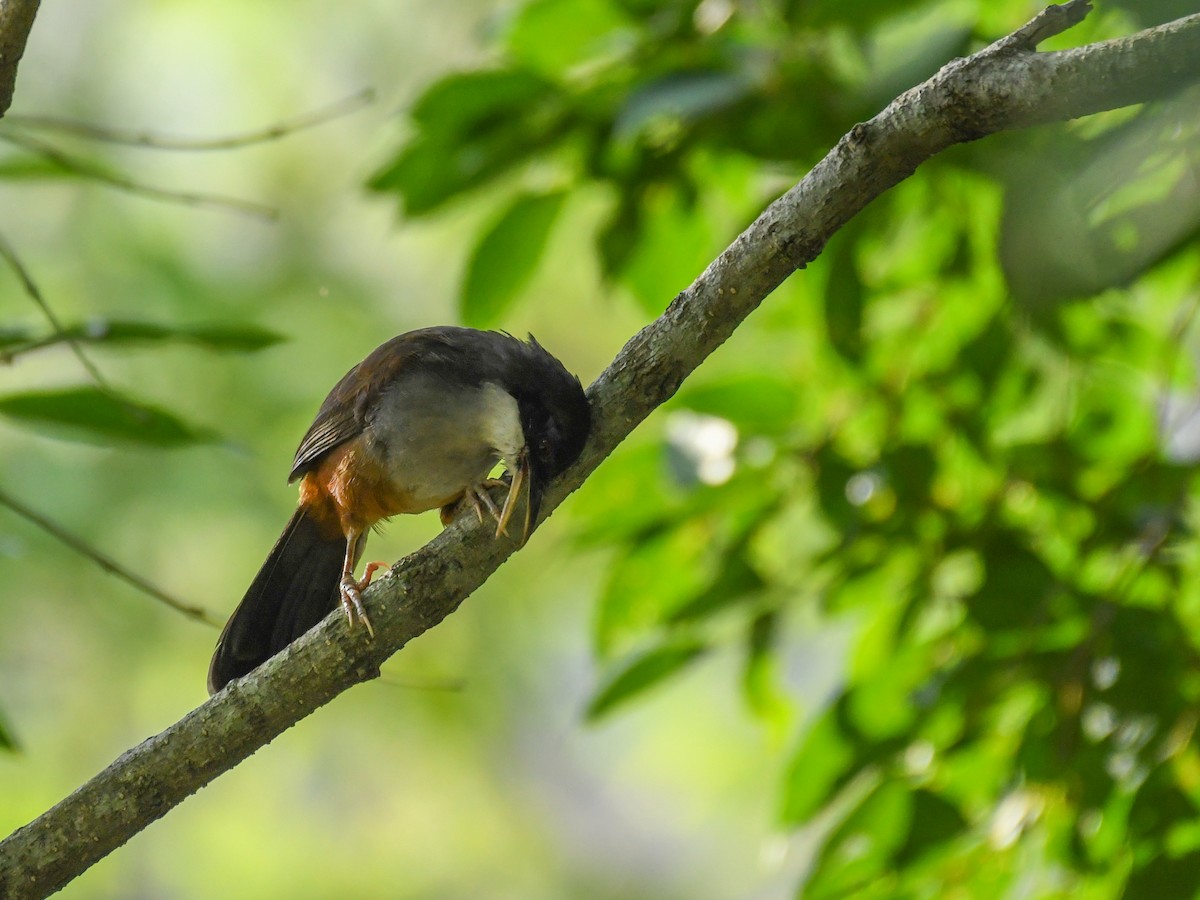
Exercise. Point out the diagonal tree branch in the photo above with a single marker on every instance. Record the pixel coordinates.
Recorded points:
(16, 21)
(1004, 86)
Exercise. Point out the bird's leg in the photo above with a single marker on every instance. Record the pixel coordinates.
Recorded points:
(351, 589)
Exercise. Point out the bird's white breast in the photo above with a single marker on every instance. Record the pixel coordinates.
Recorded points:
(437, 440)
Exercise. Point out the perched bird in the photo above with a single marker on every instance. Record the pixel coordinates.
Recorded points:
(417, 425)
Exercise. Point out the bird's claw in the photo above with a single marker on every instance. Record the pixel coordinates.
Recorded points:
(480, 499)
(351, 593)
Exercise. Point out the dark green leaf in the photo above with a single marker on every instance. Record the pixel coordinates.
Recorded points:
(737, 581)
(8, 740)
(644, 672)
(617, 239)
(30, 168)
(935, 821)
(844, 301)
(111, 332)
(678, 97)
(14, 336)
(102, 417)
(1015, 589)
(472, 128)
(1165, 876)
(466, 104)
(505, 258)
(240, 338)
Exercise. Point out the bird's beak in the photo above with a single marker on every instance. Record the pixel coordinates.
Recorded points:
(522, 481)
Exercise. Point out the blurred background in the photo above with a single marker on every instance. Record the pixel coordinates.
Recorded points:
(896, 596)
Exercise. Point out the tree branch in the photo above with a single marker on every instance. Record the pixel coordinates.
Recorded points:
(16, 20)
(1002, 87)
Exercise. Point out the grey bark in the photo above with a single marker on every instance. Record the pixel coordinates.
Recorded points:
(16, 20)
(1005, 86)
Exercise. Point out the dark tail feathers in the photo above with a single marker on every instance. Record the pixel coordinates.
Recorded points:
(294, 590)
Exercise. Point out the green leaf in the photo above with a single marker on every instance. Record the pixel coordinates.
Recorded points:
(675, 245)
(98, 416)
(757, 403)
(652, 579)
(33, 168)
(736, 582)
(466, 104)
(1071, 230)
(238, 338)
(471, 129)
(617, 239)
(844, 301)
(935, 821)
(861, 849)
(1016, 586)
(628, 497)
(505, 258)
(644, 672)
(8, 740)
(678, 97)
(817, 770)
(555, 36)
(1164, 876)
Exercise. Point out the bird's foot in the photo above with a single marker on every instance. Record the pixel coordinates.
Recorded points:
(351, 593)
(479, 498)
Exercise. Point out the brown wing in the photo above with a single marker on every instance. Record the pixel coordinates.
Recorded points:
(343, 414)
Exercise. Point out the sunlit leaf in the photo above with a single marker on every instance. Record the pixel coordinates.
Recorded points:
(762, 403)
(675, 245)
(555, 36)
(817, 770)
(100, 416)
(505, 258)
(862, 847)
(644, 672)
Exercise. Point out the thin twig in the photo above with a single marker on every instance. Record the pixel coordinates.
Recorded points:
(87, 169)
(107, 563)
(152, 141)
(35, 294)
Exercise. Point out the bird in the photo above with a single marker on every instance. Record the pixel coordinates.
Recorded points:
(419, 424)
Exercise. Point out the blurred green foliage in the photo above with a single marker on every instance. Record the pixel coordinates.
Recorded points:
(953, 461)
(975, 444)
